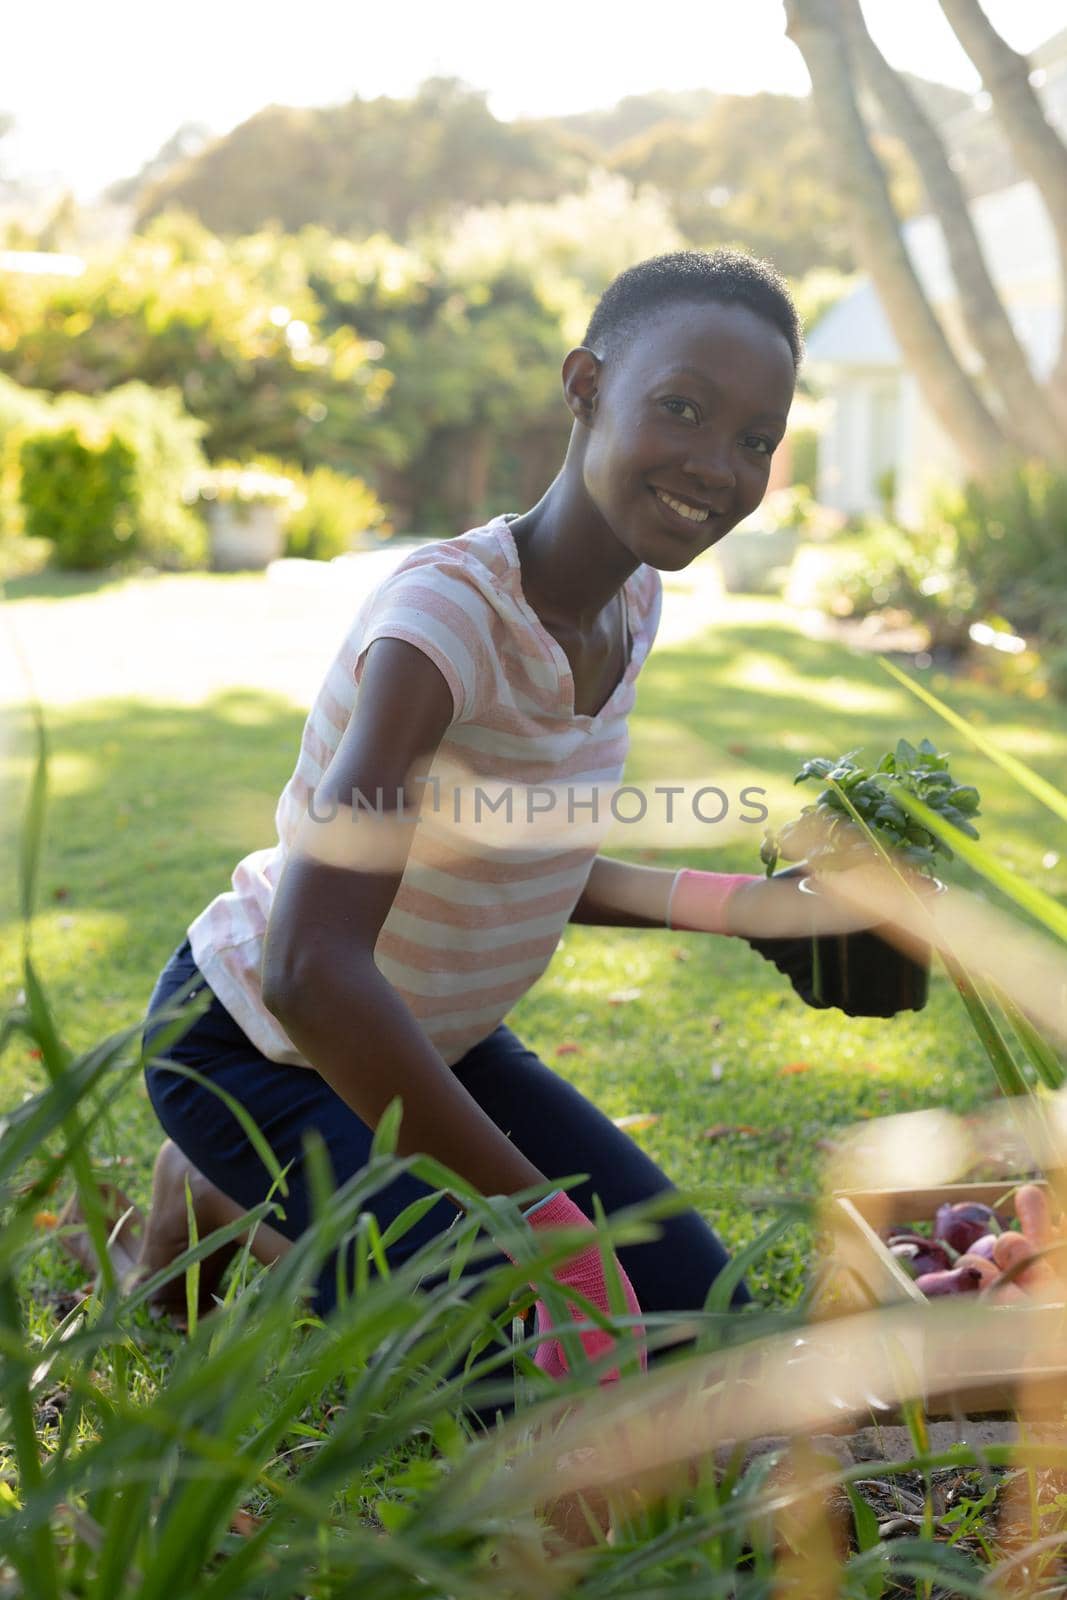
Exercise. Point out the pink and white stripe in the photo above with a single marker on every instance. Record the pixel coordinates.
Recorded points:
(474, 923)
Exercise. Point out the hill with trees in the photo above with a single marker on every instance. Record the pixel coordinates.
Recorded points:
(369, 166)
(405, 167)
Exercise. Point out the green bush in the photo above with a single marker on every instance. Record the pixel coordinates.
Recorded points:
(862, 572)
(21, 410)
(157, 522)
(1010, 543)
(1009, 551)
(884, 567)
(78, 488)
(233, 325)
(336, 510)
(165, 440)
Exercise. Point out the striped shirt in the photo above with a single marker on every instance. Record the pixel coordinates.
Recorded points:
(474, 923)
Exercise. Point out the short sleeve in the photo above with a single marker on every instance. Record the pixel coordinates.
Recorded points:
(436, 608)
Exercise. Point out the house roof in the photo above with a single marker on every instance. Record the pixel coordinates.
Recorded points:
(1020, 249)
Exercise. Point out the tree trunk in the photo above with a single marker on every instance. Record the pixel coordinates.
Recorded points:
(1036, 145)
(1026, 415)
(945, 386)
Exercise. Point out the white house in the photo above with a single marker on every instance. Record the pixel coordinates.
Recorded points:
(876, 421)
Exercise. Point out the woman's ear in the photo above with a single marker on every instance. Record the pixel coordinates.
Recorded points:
(581, 381)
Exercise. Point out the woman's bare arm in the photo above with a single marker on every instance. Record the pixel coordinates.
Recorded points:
(319, 975)
(619, 894)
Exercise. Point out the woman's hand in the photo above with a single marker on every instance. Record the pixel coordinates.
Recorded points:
(875, 896)
(777, 907)
(792, 956)
(778, 919)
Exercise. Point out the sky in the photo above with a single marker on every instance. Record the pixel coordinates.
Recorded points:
(91, 114)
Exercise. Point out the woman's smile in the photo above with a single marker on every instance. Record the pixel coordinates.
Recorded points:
(692, 513)
(687, 515)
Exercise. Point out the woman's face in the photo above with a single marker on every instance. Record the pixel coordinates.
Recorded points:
(685, 418)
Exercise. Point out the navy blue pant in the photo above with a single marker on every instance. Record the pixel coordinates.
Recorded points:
(554, 1126)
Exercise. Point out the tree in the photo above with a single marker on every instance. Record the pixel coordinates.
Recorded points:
(605, 131)
(234, 326)
(1037, 147)
(185, 142)
(723, 190)
(473, 349)
(1023, 408)
(977, 413)
(370, 166)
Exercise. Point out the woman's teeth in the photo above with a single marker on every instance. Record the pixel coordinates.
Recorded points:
(690, 513)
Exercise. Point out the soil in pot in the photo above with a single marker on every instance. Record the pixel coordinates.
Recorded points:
(864, 974)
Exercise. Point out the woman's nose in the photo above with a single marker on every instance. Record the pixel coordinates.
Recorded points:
(711, 463)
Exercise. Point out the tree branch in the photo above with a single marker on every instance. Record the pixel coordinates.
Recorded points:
(1025, 408)
(1036, 145)
(951, 395)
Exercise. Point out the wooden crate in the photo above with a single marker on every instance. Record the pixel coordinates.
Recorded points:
(864, 1272)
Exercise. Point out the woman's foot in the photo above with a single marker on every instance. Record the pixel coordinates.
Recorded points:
(124, 1222)
(166, 1233)
(142, 1247)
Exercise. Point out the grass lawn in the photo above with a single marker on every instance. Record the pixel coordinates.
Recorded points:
(152, 803)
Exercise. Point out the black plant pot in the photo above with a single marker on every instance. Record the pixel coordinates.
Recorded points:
(864, 974)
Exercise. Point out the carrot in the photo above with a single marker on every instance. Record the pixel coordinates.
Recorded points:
(1032, 1210)
(1013, 1251)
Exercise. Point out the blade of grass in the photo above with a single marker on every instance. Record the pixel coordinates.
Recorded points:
(915, 1422)
(1005, 1068)
(40, 1572)
(864, 1519)
(387, 1132)
(925, 1560)
(630, 1364)
(1026, 895)
(194, 1254)
(57, 1060)
(1049, 1068)
(1045, 792)
(192, 1273)
(721, 1291)
(248, 1123)
(126, 1517)
(33, 825)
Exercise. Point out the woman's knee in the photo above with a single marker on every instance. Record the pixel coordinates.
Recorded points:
(676, 1271)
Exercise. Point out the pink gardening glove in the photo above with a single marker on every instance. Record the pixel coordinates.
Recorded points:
(585, 1273)
(698, 900)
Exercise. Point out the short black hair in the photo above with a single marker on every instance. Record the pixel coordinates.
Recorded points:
(728, 277)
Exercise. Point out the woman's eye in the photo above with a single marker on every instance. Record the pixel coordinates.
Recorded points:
(757, 442)
(680, 408)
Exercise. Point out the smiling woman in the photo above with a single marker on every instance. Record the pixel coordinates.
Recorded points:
(683, 401)
(341, 979)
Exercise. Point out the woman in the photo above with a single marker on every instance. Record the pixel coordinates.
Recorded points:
(342, 973)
